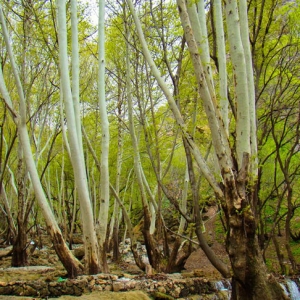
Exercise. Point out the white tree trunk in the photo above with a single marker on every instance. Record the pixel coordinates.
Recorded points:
(89, 235)
(72, 265)
(204, 44)
(104, 181)
(237, 55)
(75, 70)
(250, 84)
(194, 148)
(221, 52)
(183, 204)
(136, 152)
(114, 223)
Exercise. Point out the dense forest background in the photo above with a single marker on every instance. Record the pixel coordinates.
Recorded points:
(106, 130)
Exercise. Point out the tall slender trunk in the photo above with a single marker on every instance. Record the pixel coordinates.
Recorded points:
(71, 264)
(76, 151)
(221, 52)
(19, 255)
(237, 53)
(104, 180)
(234, 192)
(114, 224)
(243, 8)
(216, 262)
(151, 247)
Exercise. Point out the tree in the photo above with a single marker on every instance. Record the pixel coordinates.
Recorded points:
(74, 131)
(72, 265)
(235, 191)
(176, 130)
(275, 50)
(104, 187)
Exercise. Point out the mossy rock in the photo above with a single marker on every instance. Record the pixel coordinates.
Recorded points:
(161, 296)
(132, 295)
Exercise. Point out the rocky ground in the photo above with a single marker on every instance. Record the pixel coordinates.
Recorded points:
(46, 266)
(133, 295)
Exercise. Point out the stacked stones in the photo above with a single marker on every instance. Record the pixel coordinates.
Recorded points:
(174, 286)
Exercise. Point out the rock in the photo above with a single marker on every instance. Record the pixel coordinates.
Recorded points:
(198, 273)
(175, 276)
(29, 291)
(5, 251)
(161, 289)
(187, 274)
(30, 269)
(78, 252)
(129, 276)
(176, 292)
(117, 286)
(163, 286)
(192, 297)
(161, 296)
(6, 290)
(134, 269)
(149, 270)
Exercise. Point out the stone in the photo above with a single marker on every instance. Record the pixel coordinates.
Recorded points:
(5, 251)
(104, 276)
(187, 274)
(162, 296)
(97, 288)
(6, 290)
(161, 289)
(113, 277)
(117, 286)
(29, 291)
(176, 292)
(130, 276)
(199, 273)
(149, 270)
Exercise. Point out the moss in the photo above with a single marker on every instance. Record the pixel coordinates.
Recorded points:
(161, 296)
(132, 295)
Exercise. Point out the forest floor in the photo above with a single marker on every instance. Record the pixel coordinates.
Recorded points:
(197, 263)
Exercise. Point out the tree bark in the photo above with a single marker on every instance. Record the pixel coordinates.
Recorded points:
(237, 53)
(221, 52)
(249, 273)
(19, 255)
(243, 8)
(71, 264)
(89, 234)
(151, 247)
(104, 180)
(216, 262)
